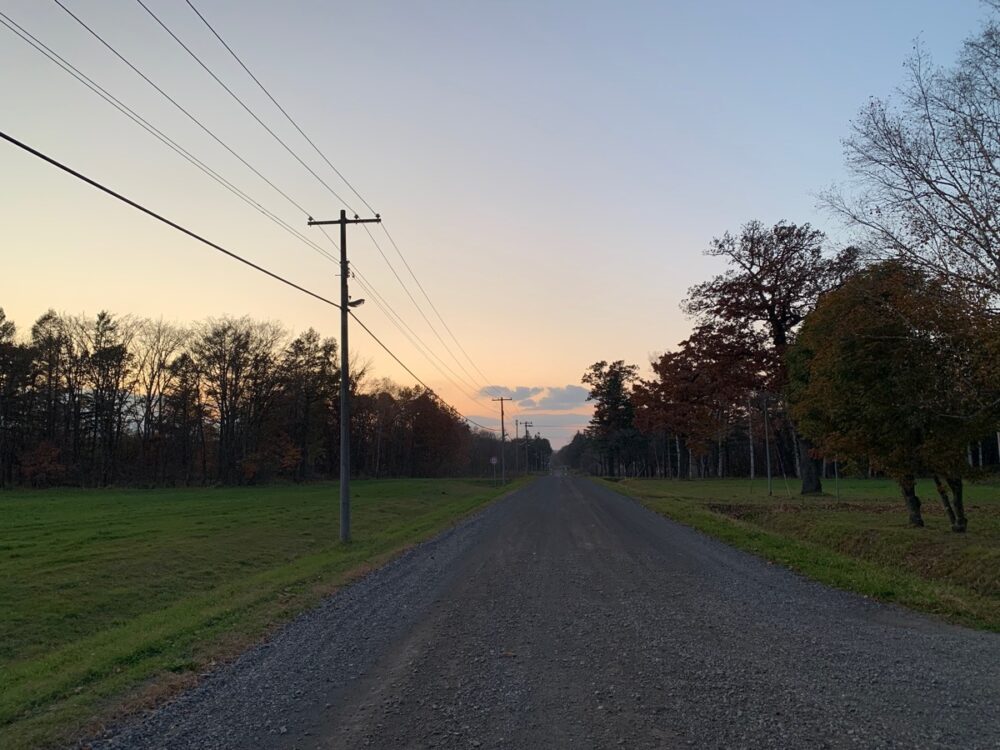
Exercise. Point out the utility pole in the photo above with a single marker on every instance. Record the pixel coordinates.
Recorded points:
(527, 438)
(345, 370)
(516, 434)
(503, 442)
(767, 448)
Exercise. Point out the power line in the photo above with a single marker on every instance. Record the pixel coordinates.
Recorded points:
(152, 129)
(173, 101)
(467, 383)
(280, 108)
(434, 308)
(235, 256)
(283, 111)
(269, 182)
(398, 361)
(163, 219)
(124, 109)
(423, 315)
(403, 327)
(244, 105)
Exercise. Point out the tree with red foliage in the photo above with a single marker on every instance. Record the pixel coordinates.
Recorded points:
(775, 276)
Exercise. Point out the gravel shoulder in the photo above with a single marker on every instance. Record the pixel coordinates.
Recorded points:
(567, 615)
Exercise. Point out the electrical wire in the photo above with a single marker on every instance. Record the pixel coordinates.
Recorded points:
(123, 108)
(400, 363)
(471, 378)
(280, 108)
(410, 335)
(235, 256)
(244, 105)
(173, 101)
(212, 134)
(152, 129)
(491, 389)
(434, 308)
(467, 383)
(163, 219)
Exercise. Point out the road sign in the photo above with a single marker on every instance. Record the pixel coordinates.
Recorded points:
(493, 460)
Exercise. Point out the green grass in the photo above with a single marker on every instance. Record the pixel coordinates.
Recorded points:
(860, 542)
(111, 599)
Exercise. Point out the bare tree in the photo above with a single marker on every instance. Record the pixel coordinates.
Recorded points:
(927, 167)
(157, 345)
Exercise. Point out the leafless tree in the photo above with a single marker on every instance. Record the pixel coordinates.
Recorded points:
(157, 345)
(926, 167)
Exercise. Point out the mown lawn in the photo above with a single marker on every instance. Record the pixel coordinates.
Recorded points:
(112, 598)
(859, 541)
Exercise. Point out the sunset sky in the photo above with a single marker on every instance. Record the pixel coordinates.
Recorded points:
(551, 171)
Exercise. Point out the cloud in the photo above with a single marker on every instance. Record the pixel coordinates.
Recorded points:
(563, 399)
(518, 393)
(555, 398)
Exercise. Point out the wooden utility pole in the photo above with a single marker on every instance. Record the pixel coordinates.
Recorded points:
(345, 370)
(503, 442)
(527, 438)
(767, 448)
(516, 434)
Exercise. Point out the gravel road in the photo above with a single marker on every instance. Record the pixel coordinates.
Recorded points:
(568, 616)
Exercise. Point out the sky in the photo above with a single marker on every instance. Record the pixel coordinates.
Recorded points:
(551, 170)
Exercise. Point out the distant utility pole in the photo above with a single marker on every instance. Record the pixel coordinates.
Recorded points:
(345, 370)
(503, 442)
(527, 438)
(516, 433)
(767, 449)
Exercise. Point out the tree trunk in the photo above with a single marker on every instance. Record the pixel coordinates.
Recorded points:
(908, 485)
(945, 500)
(961, 523)
(677, 444)
(668, 468)
(809, 468)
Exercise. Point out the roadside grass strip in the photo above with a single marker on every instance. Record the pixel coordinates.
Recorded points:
(114, 599)
(858, 542)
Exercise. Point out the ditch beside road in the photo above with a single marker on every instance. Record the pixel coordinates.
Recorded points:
(567, 615)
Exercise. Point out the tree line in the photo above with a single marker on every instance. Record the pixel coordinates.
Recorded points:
(115, 399)
(876, 357)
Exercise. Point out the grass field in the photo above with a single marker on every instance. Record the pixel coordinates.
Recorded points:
(859, 542)
(113, 598)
